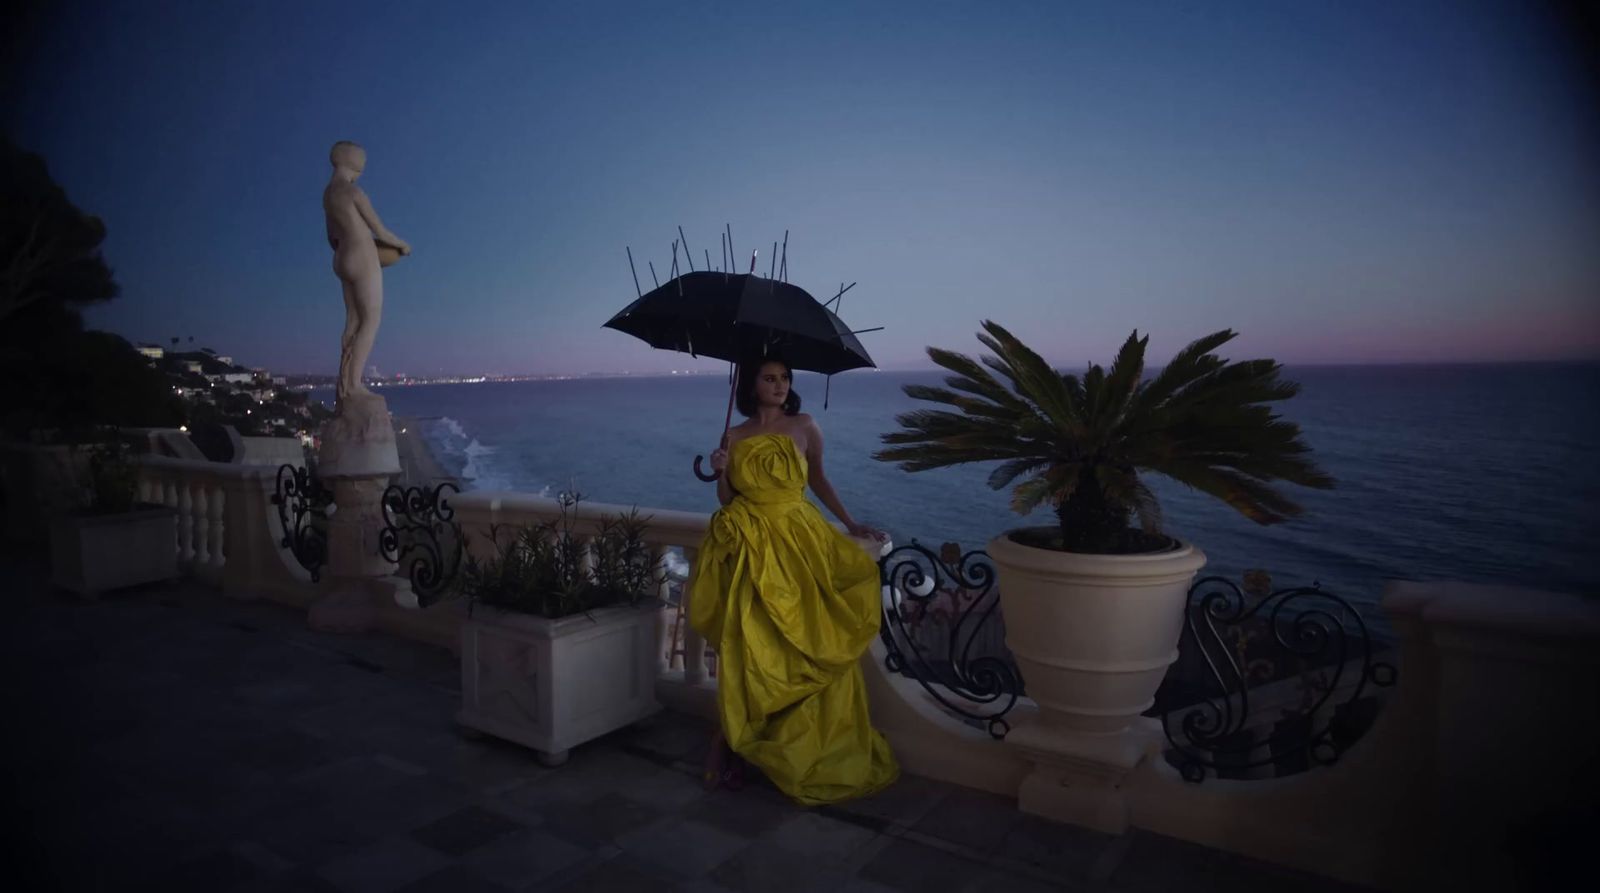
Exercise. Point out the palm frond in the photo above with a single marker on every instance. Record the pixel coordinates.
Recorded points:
(1036, 381)
(1188, 364)
(1030, 494)
(924, 457)
(1074, 386)
(1147, 507)
(1054, 485)
(1250, 381)
(1010, 471)
(970, 405)
(1094, 395)
(1122, 383)
(997, 362)
(1255, 499)
(973, 377)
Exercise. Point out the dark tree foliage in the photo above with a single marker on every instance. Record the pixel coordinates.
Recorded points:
(60, 381)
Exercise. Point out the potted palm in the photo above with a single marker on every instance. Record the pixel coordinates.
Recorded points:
(113, 540)
(1094, 603)
(559, 643)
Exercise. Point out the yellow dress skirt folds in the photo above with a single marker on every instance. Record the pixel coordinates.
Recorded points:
(790, 603)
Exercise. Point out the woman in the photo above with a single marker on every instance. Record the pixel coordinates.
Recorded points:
(789, 603)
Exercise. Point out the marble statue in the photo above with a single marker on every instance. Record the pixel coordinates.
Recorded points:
(356, 452)
(361, 245)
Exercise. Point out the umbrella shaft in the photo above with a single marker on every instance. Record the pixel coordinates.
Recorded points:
(727, 421)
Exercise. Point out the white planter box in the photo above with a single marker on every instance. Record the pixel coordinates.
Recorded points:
(93, 553)
(554, 684)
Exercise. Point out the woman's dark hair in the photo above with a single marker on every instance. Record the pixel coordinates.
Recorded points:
(744, 397)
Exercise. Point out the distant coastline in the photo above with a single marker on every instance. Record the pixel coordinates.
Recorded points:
(419, 465)
(313, 382)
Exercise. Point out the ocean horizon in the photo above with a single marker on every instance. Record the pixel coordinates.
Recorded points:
(1462, 471)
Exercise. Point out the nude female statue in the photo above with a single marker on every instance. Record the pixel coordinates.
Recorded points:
(354, 234)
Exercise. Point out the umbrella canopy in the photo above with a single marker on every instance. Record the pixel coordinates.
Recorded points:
(732, 316)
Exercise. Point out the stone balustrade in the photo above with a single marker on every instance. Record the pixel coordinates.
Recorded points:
(1486, 739)
(227, 531)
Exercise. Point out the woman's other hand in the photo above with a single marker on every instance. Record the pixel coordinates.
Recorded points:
(864, 532)
(719, 460)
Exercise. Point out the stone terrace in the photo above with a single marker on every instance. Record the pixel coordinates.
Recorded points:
(165, 738)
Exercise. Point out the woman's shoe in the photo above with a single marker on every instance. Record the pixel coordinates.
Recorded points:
(733, 773)
(716, 766)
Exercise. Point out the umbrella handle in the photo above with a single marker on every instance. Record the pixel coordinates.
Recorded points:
(708, 478)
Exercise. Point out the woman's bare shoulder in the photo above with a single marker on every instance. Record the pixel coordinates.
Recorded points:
(800, 429)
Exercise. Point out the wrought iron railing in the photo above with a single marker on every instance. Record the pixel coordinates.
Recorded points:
(421, 534)
(951, 595)
(1310, 646)
(303, 506)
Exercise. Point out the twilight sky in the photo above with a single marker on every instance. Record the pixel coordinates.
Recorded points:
(1340, 181)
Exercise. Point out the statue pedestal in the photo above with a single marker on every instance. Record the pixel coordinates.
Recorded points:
(358, 442)
(356, 459)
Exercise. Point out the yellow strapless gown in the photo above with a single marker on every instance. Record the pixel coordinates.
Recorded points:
(790, 604)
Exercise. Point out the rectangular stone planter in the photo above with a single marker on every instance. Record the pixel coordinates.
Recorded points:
(553, 684)
(90, 554)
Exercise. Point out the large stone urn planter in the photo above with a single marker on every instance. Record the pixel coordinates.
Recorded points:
(553, 684)
(1092, 634)
(90, 554)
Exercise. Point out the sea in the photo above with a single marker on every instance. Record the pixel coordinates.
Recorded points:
(1481, 473)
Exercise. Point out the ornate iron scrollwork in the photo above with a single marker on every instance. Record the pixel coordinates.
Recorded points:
(954, 590)
(1255, 634)
(419, 524)
(303, 503)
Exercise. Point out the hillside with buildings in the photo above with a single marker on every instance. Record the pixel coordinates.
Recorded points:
(215, 390)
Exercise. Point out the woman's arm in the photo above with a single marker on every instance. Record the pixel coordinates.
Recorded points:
(821, 486)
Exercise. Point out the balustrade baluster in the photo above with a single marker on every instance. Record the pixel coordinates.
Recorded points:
(586, 556)
(694, 647)
(183, 502)
(168, 485)
(216, 527)
(149, 487)
(197, 523)
(666, 642)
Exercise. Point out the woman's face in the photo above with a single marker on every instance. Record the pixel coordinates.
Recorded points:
(772, 384)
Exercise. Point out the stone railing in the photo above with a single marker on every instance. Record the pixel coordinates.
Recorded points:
(1481, 750)
(227, 527)
(1466, 779)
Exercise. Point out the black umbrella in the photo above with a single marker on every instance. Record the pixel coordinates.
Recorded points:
(731, 316)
